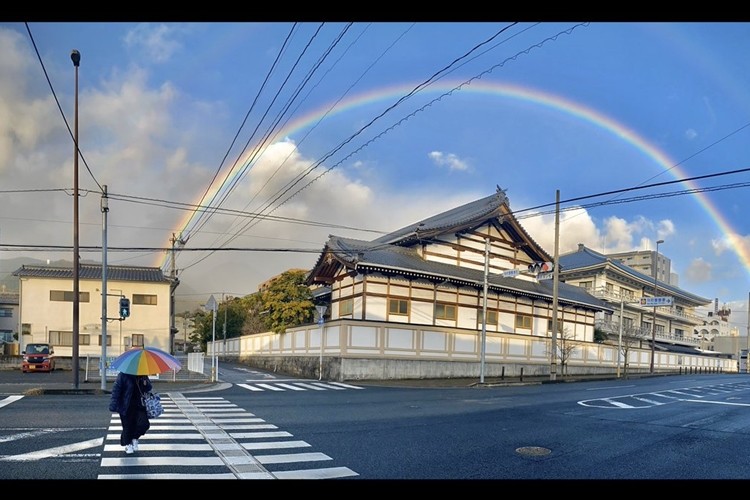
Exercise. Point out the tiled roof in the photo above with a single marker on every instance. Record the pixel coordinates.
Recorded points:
(475, 212)
(587, 258)
(406, 261)
(94, 272)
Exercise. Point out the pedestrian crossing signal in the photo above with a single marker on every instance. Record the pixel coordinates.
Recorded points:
(124, 307)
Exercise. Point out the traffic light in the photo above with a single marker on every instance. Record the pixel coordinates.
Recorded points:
(541, 267)
(124, 307)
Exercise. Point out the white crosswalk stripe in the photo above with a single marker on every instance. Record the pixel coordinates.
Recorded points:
(211, 438)
(296, 386)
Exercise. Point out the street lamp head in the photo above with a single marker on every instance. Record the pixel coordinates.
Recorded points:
(659, 242)
(75, 56)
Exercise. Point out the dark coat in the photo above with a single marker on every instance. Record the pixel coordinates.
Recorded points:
(125, 391)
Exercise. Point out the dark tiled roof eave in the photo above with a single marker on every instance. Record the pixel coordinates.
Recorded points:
(94, 272)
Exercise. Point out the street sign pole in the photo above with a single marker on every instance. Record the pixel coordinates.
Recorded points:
(211, 304)
(321, 312)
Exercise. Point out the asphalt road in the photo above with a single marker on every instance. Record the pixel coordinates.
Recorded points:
(255, 425)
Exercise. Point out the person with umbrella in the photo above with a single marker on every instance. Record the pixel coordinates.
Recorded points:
(135, 365)
(126, 400)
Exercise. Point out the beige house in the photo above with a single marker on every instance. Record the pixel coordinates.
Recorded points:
(46, 308)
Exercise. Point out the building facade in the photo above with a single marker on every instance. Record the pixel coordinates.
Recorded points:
(46, 308)
(458, 294)
(674, 326)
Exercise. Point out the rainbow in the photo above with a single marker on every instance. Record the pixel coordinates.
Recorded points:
(566, 106)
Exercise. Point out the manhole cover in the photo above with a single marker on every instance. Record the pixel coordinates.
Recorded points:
(533, 451)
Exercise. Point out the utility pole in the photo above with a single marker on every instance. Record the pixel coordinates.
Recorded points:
(75, 56)
(224, 330)
(483, 347)
(172, 287)
(555, 288)
(103, 361)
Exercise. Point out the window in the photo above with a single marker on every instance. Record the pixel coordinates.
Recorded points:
(137, 340)
(109, 340)
(609, 287)
(523, 321)
(587, 285)
(346, 307)
(26, 329)
(491, 318)
(145, 300)
(66, 296)
(627, 323)
(6, 312)
(559, 325)
(445, 311)
(61, 338)
(398, 306)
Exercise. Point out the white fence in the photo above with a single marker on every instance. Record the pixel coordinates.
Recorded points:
(377, 350)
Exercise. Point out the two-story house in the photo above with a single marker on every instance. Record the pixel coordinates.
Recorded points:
(46, 308)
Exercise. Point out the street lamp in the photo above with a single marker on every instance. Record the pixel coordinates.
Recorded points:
(75, 56)
(656, 292)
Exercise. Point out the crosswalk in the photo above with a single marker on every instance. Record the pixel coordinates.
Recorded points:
(290, 385)
(711, 393)
(205, 437)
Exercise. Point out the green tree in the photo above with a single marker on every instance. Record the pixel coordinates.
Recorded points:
(202, 328)
(257, 319)
(288, 301)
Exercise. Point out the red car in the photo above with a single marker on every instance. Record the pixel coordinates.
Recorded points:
(38, 358)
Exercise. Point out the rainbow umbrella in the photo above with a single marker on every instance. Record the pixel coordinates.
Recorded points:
(145, 361)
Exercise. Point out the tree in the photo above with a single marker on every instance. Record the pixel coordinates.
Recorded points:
(565, 346)
(256, 319)
(631, 336)
(288, 301)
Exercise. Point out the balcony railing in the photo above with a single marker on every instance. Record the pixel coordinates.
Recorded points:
(633, 301)
(612, 328)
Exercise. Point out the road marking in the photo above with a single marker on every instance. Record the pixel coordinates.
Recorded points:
(9, 400)
(54, 452)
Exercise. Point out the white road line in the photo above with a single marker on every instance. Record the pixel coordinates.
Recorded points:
(223, 475)
(274, 445)
(309, 386)
(330, 473)
(10, 399)
(24, 435)
(250, 387)
(54, 452)
(260, 435)
(270, 387)
(292, 387)
(328, 386)
(618, 403)
(715, 402)
(291, 457)
(346, 385)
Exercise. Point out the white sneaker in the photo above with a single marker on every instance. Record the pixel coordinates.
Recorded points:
(129, 449)
(135, 445)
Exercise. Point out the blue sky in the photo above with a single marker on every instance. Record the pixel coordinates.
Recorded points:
(363, 128)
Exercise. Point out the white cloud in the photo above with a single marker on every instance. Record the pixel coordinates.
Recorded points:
(691, 134)
(449, 160)
(698, 271)
(156, 40)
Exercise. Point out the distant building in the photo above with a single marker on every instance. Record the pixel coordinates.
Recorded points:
(46, 308)
(8, 316)
(672, 326)
(643, 261)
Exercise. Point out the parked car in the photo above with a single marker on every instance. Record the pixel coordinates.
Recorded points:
(38, 358)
